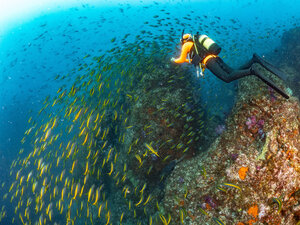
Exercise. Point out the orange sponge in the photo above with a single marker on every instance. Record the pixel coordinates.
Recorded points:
(243, 172)
(253, 211)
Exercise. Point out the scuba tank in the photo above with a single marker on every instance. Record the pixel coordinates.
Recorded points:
(203, 47)
(211, 46)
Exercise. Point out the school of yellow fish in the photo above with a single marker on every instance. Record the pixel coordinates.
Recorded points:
(76, 141)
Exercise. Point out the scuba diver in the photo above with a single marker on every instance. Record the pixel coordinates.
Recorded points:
(202, 52)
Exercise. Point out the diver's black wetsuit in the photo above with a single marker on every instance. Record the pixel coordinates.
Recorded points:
(219, 68)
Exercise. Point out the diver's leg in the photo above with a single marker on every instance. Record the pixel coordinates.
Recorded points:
(268, 66)
(237, 74)
(269, 82)
(224, 72)
(214, 66)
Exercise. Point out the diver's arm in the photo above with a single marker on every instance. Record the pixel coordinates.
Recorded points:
(184, 51)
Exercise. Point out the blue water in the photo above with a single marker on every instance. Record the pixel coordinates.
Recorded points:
(34, 52)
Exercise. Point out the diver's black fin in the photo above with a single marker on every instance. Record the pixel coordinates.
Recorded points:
(268, 82)
(268, 66)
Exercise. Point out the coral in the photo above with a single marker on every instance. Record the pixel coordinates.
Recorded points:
(251, 122)
(261, 156)
(210, 202)
(220, 129)
(255, 126)
(262, 211)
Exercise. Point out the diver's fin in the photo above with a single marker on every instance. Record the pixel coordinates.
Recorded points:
(269, 82)
(268, 66)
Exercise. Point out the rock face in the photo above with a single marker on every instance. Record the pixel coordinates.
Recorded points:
(289, 58)
(290, 45)
(251, 174)
(162, 127)
(164, 111)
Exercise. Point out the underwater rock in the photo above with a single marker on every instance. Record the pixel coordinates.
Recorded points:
(167, 125)
(290, 44)
(289, 58)
(253, 179)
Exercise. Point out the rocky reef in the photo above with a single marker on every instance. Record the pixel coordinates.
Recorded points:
(251, 173)
(167, 127)
(288, 57)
